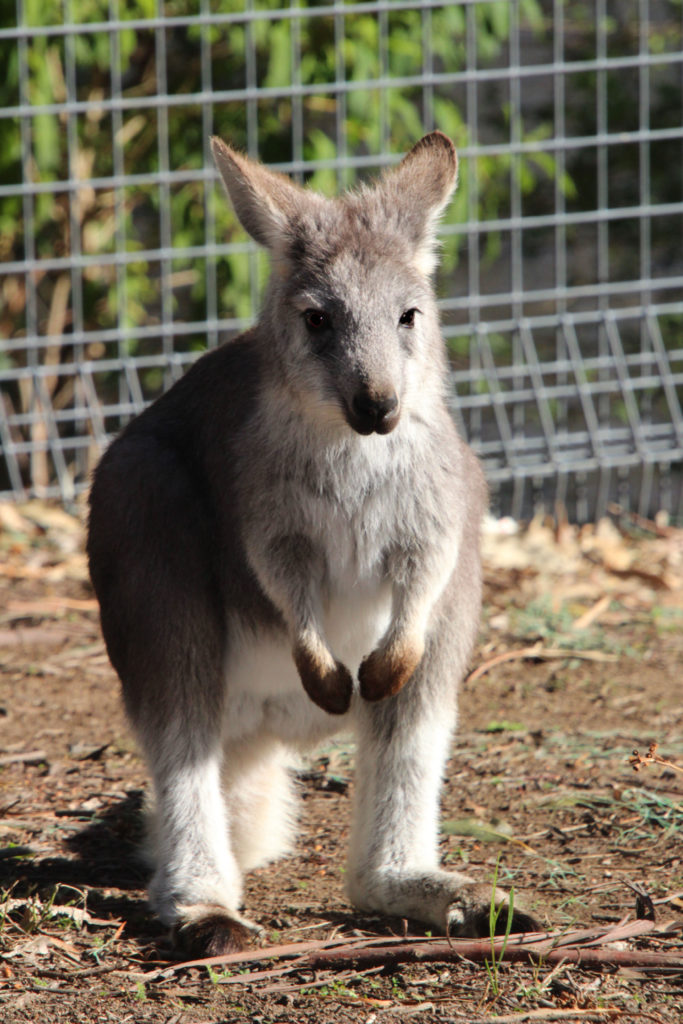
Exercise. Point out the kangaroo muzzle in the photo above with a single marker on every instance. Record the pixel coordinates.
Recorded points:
(373, 412)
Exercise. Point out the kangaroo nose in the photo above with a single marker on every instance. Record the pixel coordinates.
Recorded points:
(373, 412)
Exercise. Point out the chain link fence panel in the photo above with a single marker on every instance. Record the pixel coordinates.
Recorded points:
(561, 284)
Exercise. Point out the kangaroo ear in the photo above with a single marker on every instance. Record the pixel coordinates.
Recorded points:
(264, 201)
(419, 189)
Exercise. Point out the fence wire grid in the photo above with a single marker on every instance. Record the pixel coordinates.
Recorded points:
(561, 285)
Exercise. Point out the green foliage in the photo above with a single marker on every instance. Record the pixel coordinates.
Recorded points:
(100, 142)
(385, 106)
(543, 619)
(217, 977)
(495, 911)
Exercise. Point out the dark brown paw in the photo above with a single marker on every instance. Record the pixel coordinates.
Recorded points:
(385, 672)
(480, 924)
(213, 932)
(329, 688)
(471, 918)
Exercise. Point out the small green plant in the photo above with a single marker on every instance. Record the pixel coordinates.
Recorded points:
(493, 965)
(540, 986)
(542, 620)
(141, 992)
(396, 990)
(335, 989)
(503, 725)
(460, 856)
(667, 620)
(216, 977)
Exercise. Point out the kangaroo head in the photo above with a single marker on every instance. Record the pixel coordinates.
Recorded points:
(350, 317)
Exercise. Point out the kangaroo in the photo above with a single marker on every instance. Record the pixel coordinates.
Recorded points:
(285, 544)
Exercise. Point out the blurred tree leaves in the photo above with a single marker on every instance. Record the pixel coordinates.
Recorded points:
(70, 145)
(134, 165)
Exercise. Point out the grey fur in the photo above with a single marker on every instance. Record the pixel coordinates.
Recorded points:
(301, 497)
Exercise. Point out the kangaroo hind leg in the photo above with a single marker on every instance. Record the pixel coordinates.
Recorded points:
(154, 569)
(258, 785)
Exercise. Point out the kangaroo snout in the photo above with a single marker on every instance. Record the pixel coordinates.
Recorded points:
(372, 411)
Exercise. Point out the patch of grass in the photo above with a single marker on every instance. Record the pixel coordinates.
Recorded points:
(333, 990)
(559, 873)
(542, 620)
(460, 856)
(493, 965)
(216, 977)
(479, 830)
(397, 987)
(16, 851)
(37, 911)
(655, 810)
(667, 620)
(504, 726)
(539, 987)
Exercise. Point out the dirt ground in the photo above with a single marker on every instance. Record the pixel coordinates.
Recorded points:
(580, 662)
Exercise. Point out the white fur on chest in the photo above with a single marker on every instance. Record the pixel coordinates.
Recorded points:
(352, 527)
(264, 692)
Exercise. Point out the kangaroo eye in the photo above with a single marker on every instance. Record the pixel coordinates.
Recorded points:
(316, 320)
(407, 319)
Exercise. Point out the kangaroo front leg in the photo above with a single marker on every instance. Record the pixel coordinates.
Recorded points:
(291, 573)
(386, 670)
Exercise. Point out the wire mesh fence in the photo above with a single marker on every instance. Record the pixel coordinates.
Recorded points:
(561, 285)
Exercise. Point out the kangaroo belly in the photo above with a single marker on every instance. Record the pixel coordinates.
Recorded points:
(355, 619)
(264, 692)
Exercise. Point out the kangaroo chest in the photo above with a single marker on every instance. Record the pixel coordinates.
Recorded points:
(265, 692)
(356, 598)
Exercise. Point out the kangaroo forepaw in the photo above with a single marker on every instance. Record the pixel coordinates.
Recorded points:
(470, 915)
(387, 669)
(209, 930)
(330, 686)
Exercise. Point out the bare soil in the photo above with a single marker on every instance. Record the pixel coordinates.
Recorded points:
(539, 781)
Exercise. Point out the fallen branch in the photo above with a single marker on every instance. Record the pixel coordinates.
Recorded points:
(593, 613)
(32, 636)
(78, 915)
(295, 950)
(25, 757)
(585, 947)
(552, 1015)
(481, 950)
(537, 653)
(49, 606)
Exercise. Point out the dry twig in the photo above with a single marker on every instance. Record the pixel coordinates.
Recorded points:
(638, 761)
(552, 1015)
(585, 947)
(537, 653)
